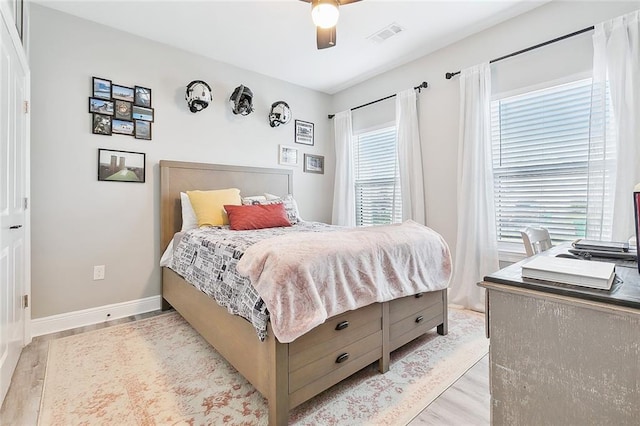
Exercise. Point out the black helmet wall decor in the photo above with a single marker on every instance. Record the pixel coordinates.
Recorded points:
(242, 100)
(198, 95)
(280, 113)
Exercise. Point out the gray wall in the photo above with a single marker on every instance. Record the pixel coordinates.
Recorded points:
(439, 104)
(78, 222)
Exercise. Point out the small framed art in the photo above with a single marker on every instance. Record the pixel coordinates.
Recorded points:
(143, 130)
(304, 132)
(142, 97)
(313, 163)
(123, 110)
(121, 166)
(101, 106)
(101, 124)
(123, 93)
(101, 88)
(288, 155)
(142, 113)
(122, 127)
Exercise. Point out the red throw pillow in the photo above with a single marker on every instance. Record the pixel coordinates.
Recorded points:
(257, 216)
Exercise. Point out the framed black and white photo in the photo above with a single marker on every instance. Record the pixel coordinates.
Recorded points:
(121, 166)
(122, 127)
(142, 113)
(142, 97)
(304, 132)
(123, 93)
(143, 130)
(123, 110)
(288, 155)
(101, 88)
(101, 124)
(101, 106)
(313, 163)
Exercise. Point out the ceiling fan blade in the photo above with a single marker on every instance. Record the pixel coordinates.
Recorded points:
(325, 37)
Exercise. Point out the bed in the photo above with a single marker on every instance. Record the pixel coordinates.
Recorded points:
(286, 374)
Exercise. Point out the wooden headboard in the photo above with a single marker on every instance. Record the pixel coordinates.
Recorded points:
(179, 176)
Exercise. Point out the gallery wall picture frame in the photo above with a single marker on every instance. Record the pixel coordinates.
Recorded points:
(122, 127)
(287, 155)
(123, 110)
(121, 166)
(142, 130)
(101, 124)
(142, 113)
(101, 106)
(142, 96)
(314, 163)
(123, 93)
(101, 88)
(304, 132)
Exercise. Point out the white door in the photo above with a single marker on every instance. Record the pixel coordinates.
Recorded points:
(13, 192)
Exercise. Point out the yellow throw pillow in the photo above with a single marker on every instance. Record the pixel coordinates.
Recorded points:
(209, 205)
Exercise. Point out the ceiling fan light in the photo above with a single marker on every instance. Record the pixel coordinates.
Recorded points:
(325, 13)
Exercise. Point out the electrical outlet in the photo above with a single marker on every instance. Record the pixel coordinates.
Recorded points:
(98, 272)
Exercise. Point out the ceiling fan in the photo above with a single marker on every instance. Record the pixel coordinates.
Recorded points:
(325, 17)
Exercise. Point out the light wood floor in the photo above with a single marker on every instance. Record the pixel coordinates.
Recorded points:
(466, 402)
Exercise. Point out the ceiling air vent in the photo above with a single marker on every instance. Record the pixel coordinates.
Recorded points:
(386, 33)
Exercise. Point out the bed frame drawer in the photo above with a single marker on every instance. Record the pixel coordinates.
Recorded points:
(337, 360)
(400, 309)
(343, 327)
(414, 325)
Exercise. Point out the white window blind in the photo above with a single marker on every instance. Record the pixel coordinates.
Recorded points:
(540, 145)
(378, 198)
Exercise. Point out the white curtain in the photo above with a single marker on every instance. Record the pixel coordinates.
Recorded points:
(344, 199)
(616, 63)
(476, 244)
(410, 156)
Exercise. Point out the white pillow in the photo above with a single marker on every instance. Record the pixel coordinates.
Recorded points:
(189, 219)
(255, 199)
(290, 206)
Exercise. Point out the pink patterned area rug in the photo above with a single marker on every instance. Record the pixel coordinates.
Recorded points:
(159, 371)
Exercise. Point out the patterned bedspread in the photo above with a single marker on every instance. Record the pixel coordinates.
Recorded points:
(207, 259)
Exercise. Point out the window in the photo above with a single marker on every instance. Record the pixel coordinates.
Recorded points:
(378, 198)
(541, 149)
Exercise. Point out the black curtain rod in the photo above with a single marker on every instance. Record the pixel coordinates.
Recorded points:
(419, 87)
(510, 55)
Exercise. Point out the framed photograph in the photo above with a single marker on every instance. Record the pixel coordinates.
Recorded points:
(304, 132)
(142, 97)
(101, 88)
(121, 166)
(314, 163)
(122, 127)
(123, 110)
(288, 155)
(142, 113)
(101, 106)
(101, 124)
(143, 130)
(122, 92)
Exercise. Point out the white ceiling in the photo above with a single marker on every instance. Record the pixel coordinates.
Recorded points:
(277, 38)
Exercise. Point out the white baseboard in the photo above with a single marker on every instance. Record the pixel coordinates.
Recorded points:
(67, 321)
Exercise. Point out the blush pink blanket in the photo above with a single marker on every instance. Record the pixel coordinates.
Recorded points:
(306, 278)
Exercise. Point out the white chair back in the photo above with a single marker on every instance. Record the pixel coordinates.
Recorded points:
(536, 240)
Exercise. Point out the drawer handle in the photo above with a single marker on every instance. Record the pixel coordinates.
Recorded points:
(15, 227)
(342, 358)
(342, 325)
(419, 319)
(419, 295)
